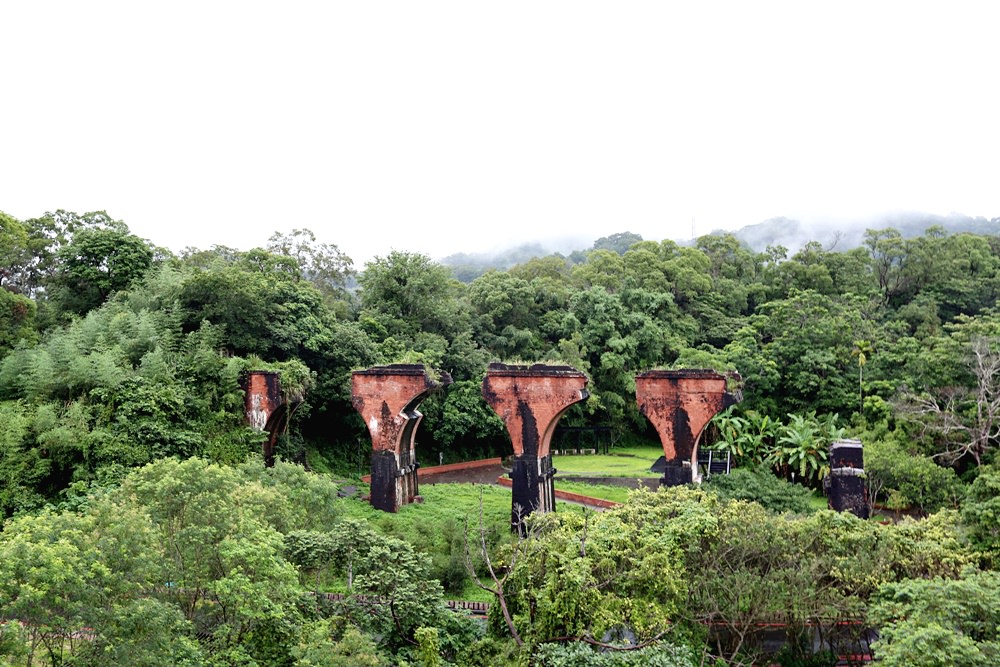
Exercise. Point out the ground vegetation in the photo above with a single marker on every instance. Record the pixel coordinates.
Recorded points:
(141, 527)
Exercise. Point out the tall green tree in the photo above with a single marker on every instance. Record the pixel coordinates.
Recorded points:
(17, 320)
(322, 264)
(409, 302)
(95, 264)
(263, 304)
(14, 253)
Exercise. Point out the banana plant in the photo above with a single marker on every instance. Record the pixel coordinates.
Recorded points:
(802, 448)
(747, 439)
(730, 430)
(759, 436)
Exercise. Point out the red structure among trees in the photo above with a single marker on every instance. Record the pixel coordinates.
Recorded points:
(387, 398)
(680, 404)
(265, 407)
(530, 400)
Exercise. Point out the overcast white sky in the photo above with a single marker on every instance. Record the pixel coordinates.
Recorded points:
(441, 127)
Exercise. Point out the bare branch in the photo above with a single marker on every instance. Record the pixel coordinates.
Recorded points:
(498, 582)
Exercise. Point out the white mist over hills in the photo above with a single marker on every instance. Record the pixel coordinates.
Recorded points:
(837, 235)
(446, 127)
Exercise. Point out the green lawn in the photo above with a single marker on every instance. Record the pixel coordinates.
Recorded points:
(618, 494)
(443, 504)
(622, 462)
(818, 501)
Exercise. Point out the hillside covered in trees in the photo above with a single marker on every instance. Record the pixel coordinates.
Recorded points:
(135, 504)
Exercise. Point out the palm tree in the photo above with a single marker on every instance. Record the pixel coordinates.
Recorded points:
(862, 350)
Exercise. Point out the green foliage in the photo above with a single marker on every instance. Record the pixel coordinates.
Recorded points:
(763, 487)
(17, 321)
(800, 446)
(142, 369)
(123, 386)
(804, 448)
(13, 251)
(408, 300)
(428, 647)
(908, 480)
(507, 315)
(810, 337)
(747, 438)
(323, 264)
(13, 644)
(579, 654)
(307, 501)
(223, 558)
(263, 305)
(64, 572)
(22, 467)
(393, 593)
(583, 574)
(318, 649)
(37, 257)
(981, 512)
(465, 427)
(670, 561)
(142, 632)
(96, 264)
(937, 621)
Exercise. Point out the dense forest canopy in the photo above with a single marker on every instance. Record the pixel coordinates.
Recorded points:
(114, 352)
(120, 361)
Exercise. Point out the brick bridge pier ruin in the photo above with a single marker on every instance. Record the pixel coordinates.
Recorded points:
(387, 398)
(266, 408)
(680, 404)
(530, 400)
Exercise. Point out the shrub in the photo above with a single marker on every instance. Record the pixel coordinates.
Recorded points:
(907, 480)
(763, 487)
(577, 654)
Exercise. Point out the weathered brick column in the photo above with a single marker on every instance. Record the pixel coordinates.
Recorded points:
(846, 491)
(265, 407)
(530, 400)
(387, 398)
(680, 404)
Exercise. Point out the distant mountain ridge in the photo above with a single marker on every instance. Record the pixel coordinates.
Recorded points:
(787, 232)
(793, 234)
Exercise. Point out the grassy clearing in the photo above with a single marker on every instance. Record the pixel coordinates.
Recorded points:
(818, 501)
(622, 462)
(443, 504)
(438, 526)
(618, 494)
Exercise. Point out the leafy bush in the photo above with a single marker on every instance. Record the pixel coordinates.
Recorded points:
(981, 512)
(907, 480)
(761, 486)
(578, 654)
(939, 621)
(800, 447)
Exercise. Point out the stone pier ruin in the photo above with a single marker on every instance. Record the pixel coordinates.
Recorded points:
(680, 404)
(387, 398)
(265, 407)
(846, 491)
(530, 400)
